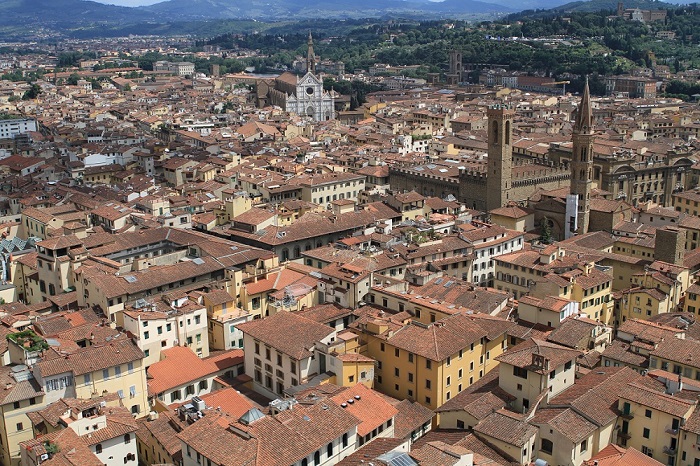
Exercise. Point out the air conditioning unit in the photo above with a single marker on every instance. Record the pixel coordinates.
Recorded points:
(44, 457)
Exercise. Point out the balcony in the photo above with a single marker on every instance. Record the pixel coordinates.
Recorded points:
(628, 415)
(670, 451)
(624, 435)
(671, 430)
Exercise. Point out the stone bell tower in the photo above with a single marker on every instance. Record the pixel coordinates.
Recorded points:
(500, 151)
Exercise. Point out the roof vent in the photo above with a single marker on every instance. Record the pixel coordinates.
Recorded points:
(344, 405)
(358, 397)
(351, 401)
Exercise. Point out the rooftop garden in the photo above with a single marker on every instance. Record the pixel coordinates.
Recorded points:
(28, 340)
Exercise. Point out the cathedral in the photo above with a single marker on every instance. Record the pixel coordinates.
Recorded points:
(303, 95)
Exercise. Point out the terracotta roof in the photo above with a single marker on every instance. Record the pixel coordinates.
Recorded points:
(90, 359)
(275, 331)
(507, 427)
(167, 373)
(612, 455)
(521, 355)
(371, 409)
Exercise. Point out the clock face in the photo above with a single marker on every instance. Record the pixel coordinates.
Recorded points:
(310, 90)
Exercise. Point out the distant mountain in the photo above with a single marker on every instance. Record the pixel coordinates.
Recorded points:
(301, 9)
(47, 13)
(598, 5)
(587, 5)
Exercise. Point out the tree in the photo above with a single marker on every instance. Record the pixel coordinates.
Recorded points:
(546, 228)
(73, 79)
(32, 93)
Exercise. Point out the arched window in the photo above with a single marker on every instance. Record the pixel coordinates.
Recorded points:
(297, 252)
(317, 458)
(304, 462)
(98, 448)
(285, 255)
(507, 132)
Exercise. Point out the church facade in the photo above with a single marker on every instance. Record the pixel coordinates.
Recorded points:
(303, 95)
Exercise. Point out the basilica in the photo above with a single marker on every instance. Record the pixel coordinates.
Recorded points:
(303, 95)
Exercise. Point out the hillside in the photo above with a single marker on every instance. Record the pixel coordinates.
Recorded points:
(45, 13)
(298, 9)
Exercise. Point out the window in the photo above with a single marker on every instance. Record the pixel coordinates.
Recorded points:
(132, 391)
(460, 424)
(396, 352)
(449, 379)
(146, 335)
(168, 327)
(428, 364)
(105, 373)
(427, 384)
(427, 400)
(396, 372)
(16, 404)
(547, 446)
(584, 446)
(567, 366)
(98, 448)
(520, 372)
(647, 413)
(130, 367)
(127, 438)
(345, 440)
(646, 433)
(410, 357)
(20, 427)
(117, 371)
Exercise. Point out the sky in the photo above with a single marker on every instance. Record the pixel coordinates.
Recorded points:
(129, 2)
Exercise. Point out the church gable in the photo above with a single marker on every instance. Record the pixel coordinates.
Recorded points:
(310, 80)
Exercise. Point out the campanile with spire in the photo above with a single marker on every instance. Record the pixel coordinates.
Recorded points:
(582, 161)
(310, 56)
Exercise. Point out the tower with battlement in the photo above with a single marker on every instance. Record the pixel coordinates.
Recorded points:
(500, 151)
(582, 161)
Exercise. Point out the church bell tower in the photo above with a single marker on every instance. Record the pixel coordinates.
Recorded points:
(500, 151)
(582, 162)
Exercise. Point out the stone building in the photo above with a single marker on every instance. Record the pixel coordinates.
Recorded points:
(489, 185)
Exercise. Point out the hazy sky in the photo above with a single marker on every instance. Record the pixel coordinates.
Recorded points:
(129, 2)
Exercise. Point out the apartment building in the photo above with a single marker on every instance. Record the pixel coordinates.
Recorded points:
(430, 363)
(323, 433)
(536, 368)
(113, 367)
(275, 361)
(488, 242)
(169, 384)
(174, 320)
(22, 395)
(651, 416)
